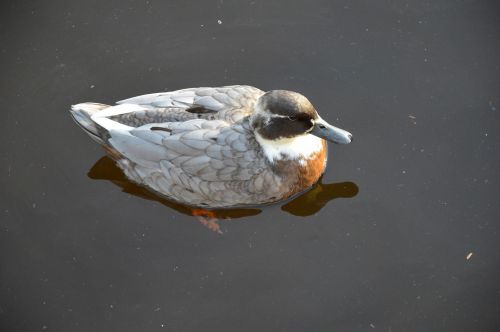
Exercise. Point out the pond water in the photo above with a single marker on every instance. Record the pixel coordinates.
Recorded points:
(401, 234)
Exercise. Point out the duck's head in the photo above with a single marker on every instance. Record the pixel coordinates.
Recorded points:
(281, 115)
(287, 126)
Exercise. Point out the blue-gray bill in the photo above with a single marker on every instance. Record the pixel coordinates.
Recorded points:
(333, 134)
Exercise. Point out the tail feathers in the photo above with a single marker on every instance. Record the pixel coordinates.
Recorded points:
(82, 114)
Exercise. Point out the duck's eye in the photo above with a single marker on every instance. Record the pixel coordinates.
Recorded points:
(292, 117)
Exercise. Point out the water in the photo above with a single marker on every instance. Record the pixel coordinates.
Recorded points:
(402, 234)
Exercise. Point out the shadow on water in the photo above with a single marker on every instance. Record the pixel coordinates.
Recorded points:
(303, 205)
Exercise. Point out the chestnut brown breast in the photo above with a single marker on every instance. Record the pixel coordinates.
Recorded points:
(300, 177)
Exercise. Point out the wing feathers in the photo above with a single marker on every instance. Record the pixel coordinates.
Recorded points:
(186, 144)
(136, 149)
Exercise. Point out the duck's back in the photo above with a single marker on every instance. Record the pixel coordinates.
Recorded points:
(229, 103)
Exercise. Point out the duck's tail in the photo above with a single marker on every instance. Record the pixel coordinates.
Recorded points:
(93, 118)
(82, 114)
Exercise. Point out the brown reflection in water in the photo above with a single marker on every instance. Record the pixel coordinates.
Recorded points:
(315, 199)
(303, 205)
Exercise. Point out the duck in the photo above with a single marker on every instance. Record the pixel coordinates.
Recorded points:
(215, 147)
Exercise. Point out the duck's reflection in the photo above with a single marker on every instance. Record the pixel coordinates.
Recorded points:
(315, 199)
(303, 205)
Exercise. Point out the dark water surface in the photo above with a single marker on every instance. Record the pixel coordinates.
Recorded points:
(401, 235)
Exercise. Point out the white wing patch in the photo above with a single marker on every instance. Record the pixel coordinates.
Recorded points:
(101, 118)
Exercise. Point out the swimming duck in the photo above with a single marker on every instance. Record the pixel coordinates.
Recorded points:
(215, 147)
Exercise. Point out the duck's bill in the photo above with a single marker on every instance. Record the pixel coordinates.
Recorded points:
(333, 134)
